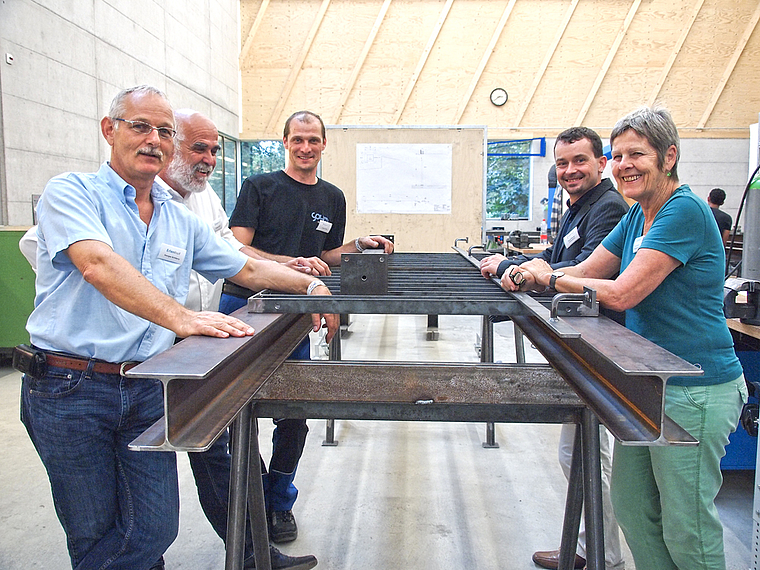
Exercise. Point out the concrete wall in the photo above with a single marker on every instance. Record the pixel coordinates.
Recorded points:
(70, 57)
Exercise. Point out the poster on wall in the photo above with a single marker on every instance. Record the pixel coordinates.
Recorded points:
(403, 178)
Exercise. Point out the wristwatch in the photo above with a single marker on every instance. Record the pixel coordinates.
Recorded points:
(553, 279)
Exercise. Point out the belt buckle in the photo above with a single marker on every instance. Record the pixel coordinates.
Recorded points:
(131, 365)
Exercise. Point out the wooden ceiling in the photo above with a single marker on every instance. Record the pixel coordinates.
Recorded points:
(562, 62)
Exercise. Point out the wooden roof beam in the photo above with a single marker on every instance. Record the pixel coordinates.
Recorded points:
(360, 62)
(608, 61)
(674, 54)
(423, 59)
(730, 67)
(295, 69)
(545, 64)
(252, 32)
(484, 61)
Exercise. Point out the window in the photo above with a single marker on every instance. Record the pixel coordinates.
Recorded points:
(224, 179)
(509, 177)
(258, 157)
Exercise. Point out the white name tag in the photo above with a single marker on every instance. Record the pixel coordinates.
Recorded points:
(572, 237)
(637, 243)
(172, 253)
(324, 226)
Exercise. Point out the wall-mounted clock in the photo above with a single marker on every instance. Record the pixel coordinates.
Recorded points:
(499, 96)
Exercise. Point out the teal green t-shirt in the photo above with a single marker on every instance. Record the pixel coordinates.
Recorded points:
(684, 314)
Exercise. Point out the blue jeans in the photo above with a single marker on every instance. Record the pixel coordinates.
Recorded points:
(288, 438)
(119, 508)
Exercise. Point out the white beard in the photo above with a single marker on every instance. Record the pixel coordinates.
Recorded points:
(181, 172)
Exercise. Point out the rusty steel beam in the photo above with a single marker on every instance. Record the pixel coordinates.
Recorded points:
(207, 381)
(511, 393)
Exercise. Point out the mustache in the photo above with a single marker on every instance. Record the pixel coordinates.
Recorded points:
(151, 151)
(203, 168)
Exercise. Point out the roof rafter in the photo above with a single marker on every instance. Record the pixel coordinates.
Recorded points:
(423, 59)
(484, 61)
(741, 44)
(360, 61)
(545, 64)
(295, 69)
(608, 61)
(674, 54)
(252, 32)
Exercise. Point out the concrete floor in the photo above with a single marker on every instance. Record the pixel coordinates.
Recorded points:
(417, 496)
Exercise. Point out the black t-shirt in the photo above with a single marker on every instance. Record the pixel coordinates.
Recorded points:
(723, 219)
(291, 218)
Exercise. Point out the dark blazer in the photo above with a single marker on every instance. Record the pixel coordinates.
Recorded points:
(594, 215)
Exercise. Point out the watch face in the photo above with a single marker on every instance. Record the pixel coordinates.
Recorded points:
(499, 96)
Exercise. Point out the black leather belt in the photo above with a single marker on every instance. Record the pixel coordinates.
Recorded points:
(229, 288)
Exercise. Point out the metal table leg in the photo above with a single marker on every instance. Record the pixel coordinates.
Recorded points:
(334, 354)
(573, 507)
(240, 444)
(592, 490)
(432, 327)
(519, 344)
(486, 355)
(256, 503)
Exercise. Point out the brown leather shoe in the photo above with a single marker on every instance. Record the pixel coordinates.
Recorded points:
(550, 559)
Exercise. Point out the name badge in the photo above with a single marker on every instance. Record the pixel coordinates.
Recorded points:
(637, 243)
(172, 253)
(571, 237)
(324, 226)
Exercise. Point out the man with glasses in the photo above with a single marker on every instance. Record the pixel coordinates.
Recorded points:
(114, 259)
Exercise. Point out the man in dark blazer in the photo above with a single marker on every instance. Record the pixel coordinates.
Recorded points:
(594, 205)
(594, 208)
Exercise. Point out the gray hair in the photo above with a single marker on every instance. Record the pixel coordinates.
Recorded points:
(656, 125)
(180, 116)
(118, 105)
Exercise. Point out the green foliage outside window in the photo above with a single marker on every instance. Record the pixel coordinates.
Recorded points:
(261, 156)
(508, 180)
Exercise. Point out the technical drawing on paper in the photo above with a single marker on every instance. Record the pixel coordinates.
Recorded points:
(403, 178)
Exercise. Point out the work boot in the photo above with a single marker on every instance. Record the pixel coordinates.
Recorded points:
(282, 526)
(280, 560)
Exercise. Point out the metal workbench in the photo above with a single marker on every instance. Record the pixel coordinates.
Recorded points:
(615, 376)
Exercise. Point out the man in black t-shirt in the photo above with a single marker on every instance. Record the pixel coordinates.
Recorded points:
(715, 200)
(292, 215)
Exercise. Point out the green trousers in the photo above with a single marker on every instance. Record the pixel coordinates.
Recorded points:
(664, 497)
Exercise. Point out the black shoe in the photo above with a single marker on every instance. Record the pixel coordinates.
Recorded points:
(280, 560)
(282, 526)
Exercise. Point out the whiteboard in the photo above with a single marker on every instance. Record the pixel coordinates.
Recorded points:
(403, 178)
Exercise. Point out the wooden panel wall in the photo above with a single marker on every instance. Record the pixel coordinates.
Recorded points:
(563, 63)
(413, 232)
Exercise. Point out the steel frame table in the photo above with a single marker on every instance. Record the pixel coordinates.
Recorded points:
(618, 377)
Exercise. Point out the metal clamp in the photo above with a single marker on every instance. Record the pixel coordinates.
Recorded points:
(478, 246)
(589, 306)
(456, 241)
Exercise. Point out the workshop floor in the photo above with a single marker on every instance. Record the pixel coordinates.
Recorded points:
(391, 495)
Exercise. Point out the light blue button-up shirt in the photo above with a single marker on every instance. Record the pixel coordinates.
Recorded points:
(70, 315)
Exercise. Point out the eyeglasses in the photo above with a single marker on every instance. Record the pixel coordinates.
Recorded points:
(143, 128)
